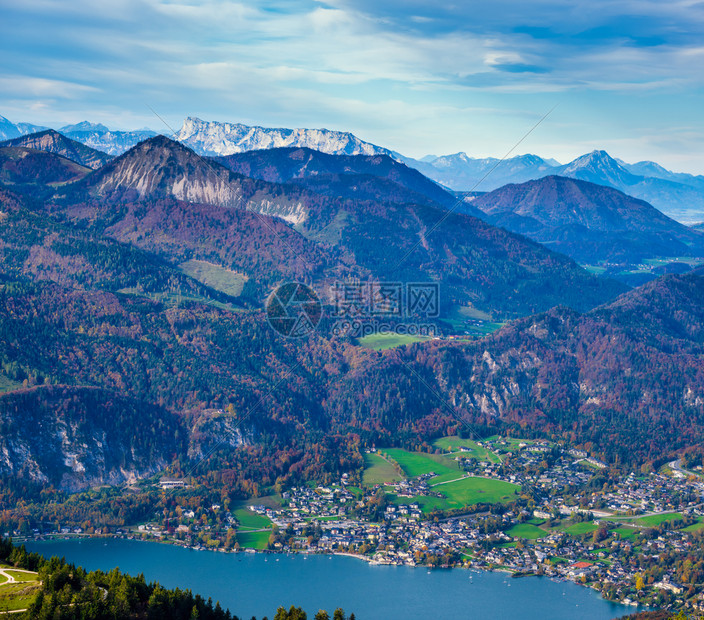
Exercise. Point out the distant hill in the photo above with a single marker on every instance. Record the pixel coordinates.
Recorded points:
(655, 170)
(52, 141)
(10, 130)
(589, 222)
(99, 137)
(683, 202)
(367, 177)
(464, 173)
(29, 168)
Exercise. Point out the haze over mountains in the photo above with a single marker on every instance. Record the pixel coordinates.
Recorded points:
(99, 137)
(679, 195)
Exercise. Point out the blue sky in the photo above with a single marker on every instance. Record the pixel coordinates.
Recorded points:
(626, 75)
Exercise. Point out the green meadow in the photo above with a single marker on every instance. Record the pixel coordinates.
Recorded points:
(453, 444)
(253, 540)
(527, 531)
(383, 340)
(225, 280)
(251, 520)
(378, 470)
(417, 463)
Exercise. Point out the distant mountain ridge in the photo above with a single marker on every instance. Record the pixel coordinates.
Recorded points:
(52, 141)
(679, 195)
(216, 138)
(9, 130)
(99, 137)
(461, 172)
(376, 177)
(591, 223)
(683, 202)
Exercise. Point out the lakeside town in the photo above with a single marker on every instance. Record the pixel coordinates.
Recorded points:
(549, 510)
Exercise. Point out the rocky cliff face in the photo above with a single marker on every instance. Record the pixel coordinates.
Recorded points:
(213, 138)
(75, 438)
(161, 167)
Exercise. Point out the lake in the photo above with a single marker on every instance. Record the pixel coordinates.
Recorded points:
(256, 584)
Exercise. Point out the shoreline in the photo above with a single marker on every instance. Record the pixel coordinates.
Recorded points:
(369, 560)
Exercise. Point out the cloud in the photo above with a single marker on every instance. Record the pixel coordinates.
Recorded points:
(412, 74)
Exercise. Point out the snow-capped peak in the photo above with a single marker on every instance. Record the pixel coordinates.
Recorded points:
(216, 138)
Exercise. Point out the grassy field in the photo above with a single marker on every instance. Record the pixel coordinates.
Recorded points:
(174, 299)
(626, 532)
(526, 530)
(579, 529)
(253, 540)
(453, 444)
(269, 501)
(469, 312)
(469, 491)
(249, 520)
(463, 493)
(20, 575)
(378, 470)
(229, 282)
(15, 596)
(416, 463)
(655, 520)
(427, 504)
(483, 329)
(382, 341)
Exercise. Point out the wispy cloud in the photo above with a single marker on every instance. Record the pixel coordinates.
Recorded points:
(414, 75)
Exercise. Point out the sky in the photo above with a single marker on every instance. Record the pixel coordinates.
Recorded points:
(626, 76)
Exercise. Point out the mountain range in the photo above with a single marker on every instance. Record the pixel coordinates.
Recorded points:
(214, 138)
(591, 223)
(9, 130)
(375, 177)
(101, 138)
(679, 195)
(52, 141)
(566, 218)
(135, 291)
(171, 199)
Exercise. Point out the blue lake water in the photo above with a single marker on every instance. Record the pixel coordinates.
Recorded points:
(257, 584)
